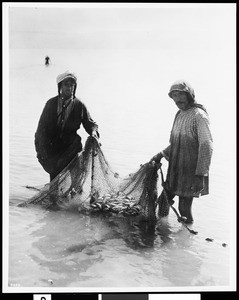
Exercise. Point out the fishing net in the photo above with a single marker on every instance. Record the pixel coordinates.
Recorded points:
(89, 182)
(165, 199)
(163, 205)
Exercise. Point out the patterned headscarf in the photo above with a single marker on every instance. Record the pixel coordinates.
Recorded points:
(184, 86)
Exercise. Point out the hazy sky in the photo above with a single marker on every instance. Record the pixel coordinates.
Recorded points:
(121, 26)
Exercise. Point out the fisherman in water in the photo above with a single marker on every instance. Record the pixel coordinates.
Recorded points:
(56, 138)
(47, 60)
(189, 152)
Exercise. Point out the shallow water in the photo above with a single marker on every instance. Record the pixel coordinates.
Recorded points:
(69, 249)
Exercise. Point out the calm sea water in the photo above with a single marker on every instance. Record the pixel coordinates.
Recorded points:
(126, 93)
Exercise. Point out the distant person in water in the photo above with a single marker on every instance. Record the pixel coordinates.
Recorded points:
(47, 60)
(56, 138)
(189, 152)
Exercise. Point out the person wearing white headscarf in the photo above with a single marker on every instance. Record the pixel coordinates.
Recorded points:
(190, 150)
(56, 138)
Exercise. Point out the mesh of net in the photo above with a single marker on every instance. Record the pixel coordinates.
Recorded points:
(90, 183)
(163, 204)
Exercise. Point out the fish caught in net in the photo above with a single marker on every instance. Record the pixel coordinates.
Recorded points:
(89, 182)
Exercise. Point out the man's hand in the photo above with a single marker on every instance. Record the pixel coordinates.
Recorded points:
(94, 134)
(157, 158)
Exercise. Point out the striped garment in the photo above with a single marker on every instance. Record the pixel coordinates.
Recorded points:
(189, 152)
(63, 110)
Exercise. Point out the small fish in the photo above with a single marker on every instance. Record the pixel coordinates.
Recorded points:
(135, 210)
(93, 205)
(126, 213)
(106, 207)
(98, 205)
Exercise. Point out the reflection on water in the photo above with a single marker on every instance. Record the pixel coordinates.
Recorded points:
(68, 248)
(69, 245)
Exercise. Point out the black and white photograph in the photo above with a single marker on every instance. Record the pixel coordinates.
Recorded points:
(119, 147)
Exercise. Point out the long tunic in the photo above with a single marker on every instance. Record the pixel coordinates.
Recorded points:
(189, 152)
(57, 143)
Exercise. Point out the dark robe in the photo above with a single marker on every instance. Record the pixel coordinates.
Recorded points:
(57, 146)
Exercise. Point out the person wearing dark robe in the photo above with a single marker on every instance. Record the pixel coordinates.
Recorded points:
(190, 150)
(56, 138)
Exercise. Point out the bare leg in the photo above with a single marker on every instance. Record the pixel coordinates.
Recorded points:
(185, 208)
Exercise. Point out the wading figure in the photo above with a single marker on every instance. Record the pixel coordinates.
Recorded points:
(56, 138)
(189, 152)
(47, 61)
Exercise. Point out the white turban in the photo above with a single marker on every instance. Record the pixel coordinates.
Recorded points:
(65, 75)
